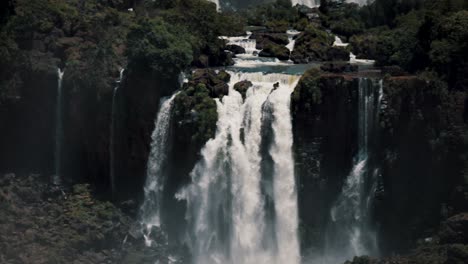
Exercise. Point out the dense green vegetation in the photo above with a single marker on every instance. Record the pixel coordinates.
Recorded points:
(416, 35)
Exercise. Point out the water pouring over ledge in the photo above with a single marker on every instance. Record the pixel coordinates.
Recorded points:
(225, 204)
(57, 178)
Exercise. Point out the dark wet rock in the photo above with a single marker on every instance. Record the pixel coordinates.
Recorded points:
(265, 39)
(394, 71)
(337, 54)
(216, 83)
(236, 49)
(312, 45)
(455, 229)
(242, 87)
(339, 67)
(275, 51)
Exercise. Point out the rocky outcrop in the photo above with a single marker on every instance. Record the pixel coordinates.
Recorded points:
(422, 148)
(28, 114)
(275, 51)
(236, 49)
(216, 83)
(242, 87)
(323, 129)
(314, 44)
(265, 39)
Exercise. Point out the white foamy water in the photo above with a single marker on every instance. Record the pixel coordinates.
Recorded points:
(309, 3)
(352, 58)
(226, 208)
(112, 132)
(150, 211)
(350, 232)
(58, 129)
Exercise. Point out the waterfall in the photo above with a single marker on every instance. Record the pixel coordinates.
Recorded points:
(292, 42)
(58, 129)
(155, 173)
(227, 222)
(350, 231)
(245, 42)
(112, 132)
(352, 58)
(309, 3)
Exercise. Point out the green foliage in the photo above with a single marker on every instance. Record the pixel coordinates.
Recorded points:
(41, 16)
(347, 27)
(197, 113)
(307, 93)
(154, 46)
(449, 50)
(270, 14)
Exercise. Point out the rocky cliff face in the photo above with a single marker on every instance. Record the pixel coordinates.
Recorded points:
(324, 130)
(28, 118)
(422, 141)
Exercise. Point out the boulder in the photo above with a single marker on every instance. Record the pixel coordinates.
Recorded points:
(455, 229)
(337, 54)
(236, 49)
(275, 51)
(264, 39)
(242, 87)
(216, 83)
(312, 45)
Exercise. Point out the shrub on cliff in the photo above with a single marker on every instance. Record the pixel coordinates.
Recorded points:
(154, 46)
(307, 93)
(449, 50)
(196, 114)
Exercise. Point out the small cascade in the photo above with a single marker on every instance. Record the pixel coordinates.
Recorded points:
(58, 129)
(227, 222)
(309, 3)
(156, 169)
(339, 43)
(352, 58)
(245, 42)
(112, 132)
(350, 231)
(292, 42)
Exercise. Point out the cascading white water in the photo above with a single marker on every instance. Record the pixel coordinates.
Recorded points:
(112, 132)
(292, 42)
(155, 175)
(225, 204)
(352, 58)
(58, 128)
(245, 42)
(350, 233)
(285, 195)
(309, 3)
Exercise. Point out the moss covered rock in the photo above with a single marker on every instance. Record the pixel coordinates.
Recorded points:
(275, 51)
(311, 45)
(242, 87)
